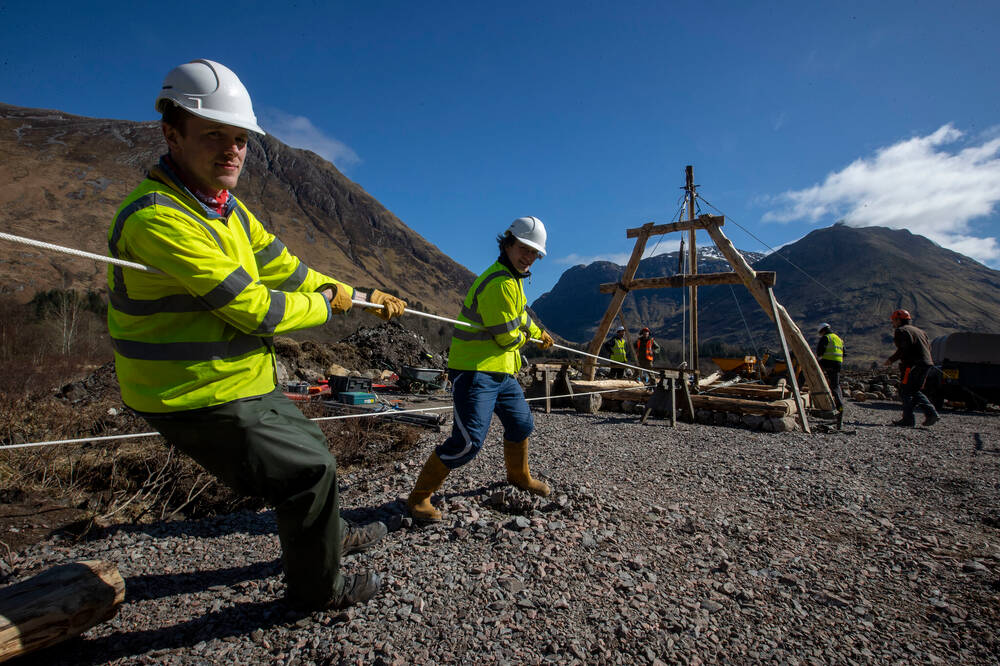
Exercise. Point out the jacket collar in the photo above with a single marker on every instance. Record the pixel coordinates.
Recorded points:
(163, 173)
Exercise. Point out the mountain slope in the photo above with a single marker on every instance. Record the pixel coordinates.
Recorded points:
(858, 277)
(62, 178)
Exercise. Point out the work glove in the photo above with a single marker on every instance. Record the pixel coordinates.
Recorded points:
(546, 341)
(340, 300)
(393, 306)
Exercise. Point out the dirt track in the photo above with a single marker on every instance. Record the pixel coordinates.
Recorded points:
(699, 544)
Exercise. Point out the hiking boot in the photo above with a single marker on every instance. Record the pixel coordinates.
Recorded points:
(357, 588)
(903, 424)
(356, 538)
(931, 419)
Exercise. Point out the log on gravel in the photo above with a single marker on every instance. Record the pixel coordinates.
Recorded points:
(58, 604)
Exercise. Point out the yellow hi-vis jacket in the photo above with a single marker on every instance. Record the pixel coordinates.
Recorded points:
(199, 333)
(834, 350)
(496, 302)
(618, 347)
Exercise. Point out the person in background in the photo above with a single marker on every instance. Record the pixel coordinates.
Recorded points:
(830, 352)
(617, 350)
(913, 352)
(193, 340)
(645, 351)
(482, 363)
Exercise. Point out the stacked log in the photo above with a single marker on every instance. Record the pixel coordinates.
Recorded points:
(58, 604)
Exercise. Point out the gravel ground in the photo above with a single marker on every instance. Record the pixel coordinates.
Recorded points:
(690, 545)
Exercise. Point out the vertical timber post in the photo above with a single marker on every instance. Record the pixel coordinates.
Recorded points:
(615, 305)
(792, 372)
(689, 186)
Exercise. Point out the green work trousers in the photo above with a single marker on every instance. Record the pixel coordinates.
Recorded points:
(265, 447)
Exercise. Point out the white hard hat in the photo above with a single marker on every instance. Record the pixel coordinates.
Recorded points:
(621, 329)
(530, 231)
(823, 327)
(206, 89)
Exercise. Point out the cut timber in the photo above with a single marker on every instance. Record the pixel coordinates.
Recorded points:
(582, 386)
(716, 403)
(697, 223)
(719, 404)
(752, 392)
(58, 604)
(767, 278)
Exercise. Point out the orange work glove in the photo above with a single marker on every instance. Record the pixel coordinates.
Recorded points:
(546, 341)
(340, 300)
(393, 306)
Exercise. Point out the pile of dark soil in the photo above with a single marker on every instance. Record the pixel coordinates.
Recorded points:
(390, 346)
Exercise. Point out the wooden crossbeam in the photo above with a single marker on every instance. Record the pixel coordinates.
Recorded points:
(766, 278)
(703, 222)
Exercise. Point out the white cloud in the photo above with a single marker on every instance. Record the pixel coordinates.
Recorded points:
(620, 258)
(916, 184)
(299, 132)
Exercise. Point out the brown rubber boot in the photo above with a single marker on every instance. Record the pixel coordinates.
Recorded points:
(430, 480)
(515, 455)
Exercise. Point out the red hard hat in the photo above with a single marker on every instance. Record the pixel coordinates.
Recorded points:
(644, 329)
(901, 315)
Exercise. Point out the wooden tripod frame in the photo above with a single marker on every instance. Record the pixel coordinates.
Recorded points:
(759, 283)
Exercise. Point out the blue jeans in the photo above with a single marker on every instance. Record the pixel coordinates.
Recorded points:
(479, 395)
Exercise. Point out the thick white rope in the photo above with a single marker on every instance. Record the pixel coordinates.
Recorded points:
(386, 413)
(78, 253)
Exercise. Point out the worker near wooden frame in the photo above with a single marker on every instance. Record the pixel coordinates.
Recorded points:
(830, 352)
(913, 351)
(645, 351)
(616, 348)
(193, 340)
(482, 363)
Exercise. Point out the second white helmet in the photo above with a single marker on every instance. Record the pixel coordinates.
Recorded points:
(209, 90)
(530, 231)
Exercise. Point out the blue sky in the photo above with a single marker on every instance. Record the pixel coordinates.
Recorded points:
(461, 116)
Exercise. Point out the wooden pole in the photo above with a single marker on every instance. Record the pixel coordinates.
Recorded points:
(791, 367)
(615, 305)
(58, 604)
(819, 391)
(692, 269)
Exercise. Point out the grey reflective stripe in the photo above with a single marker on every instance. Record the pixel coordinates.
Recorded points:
(145, 201)
(482, 285)
(231, 287)
(295, 280)
(187, 351)
(209, 229)
(275, 313)
(469, 336)
(506, 327)
(517, 341)
(174, 303)
(471, 315)
(269, 253)
(528, 322)
(242, 215)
